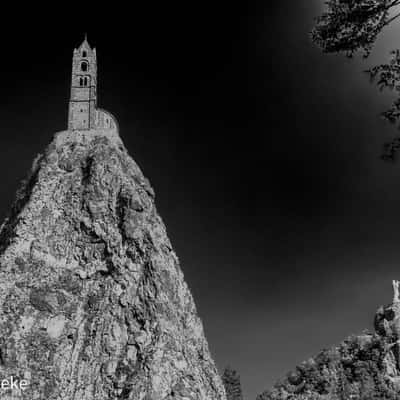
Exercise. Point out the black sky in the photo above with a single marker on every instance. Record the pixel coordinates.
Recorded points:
(264, 154)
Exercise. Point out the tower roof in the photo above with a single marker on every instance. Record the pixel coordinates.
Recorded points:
(85, 45)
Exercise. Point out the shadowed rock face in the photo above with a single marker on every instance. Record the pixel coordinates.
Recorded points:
(93, 303)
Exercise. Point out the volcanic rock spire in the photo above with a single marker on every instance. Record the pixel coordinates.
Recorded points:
(93, 302)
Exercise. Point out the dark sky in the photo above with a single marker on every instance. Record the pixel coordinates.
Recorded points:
(264, 154)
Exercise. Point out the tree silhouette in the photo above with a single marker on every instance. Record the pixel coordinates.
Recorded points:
(349, 26)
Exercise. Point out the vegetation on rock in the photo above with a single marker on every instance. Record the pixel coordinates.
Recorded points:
(359, 369)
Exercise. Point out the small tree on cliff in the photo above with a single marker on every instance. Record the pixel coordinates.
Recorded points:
(231, 381)
(349, 26)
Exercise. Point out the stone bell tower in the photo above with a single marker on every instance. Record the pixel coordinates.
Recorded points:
(83, 100)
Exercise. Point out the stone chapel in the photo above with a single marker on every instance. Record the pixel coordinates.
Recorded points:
(83, 114)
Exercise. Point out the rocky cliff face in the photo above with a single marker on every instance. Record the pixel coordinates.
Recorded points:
(93, 303)
(364, 367)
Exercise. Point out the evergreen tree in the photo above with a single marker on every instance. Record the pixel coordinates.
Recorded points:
(231, 381)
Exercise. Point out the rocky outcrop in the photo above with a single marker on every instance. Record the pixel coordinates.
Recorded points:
(363, 367)
(93, 303)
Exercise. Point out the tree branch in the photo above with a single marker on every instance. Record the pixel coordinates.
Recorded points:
(392, 19)
(394, 3)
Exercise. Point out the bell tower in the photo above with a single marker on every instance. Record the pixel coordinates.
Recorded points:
(83, 100)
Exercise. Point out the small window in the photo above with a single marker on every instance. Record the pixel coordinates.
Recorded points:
(86, 81)
(81, 82)
(84, 54)
(84, 66)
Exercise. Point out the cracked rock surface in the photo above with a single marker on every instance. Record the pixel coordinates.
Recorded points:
(93, 303)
